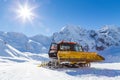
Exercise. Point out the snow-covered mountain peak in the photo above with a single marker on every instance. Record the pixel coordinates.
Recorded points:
(72, 29)
(110, 35)
(72, 32)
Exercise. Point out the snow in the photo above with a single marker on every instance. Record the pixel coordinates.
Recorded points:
(111, 54)
(30, 71)
(25, 44)
(33, 41)
(7, 50)
(44, 40)
(113, 66)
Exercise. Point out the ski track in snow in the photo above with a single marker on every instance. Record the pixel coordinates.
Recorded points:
(30, 71)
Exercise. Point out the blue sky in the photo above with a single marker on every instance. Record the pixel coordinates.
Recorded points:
(52, 15)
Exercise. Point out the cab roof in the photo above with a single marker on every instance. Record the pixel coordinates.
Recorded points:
(67, 42)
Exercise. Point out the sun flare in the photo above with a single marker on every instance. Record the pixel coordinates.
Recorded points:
(25, 12)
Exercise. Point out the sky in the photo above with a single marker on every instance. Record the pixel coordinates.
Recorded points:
(45, 17)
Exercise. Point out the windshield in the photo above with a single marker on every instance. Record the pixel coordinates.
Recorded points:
(70, 47)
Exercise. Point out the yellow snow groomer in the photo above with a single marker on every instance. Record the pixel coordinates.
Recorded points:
(71, 54)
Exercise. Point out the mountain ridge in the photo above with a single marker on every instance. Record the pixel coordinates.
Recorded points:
(91, 40)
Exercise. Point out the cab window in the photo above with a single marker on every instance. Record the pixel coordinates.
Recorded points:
(64, 47)
(78, 48)
(53, 48)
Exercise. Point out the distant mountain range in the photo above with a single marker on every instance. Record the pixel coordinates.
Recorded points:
(91, 40)
(35, 44)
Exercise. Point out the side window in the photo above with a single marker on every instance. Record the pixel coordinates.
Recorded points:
(78, 48)
(53, 48)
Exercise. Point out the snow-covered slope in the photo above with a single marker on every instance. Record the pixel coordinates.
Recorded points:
(30, 71)
(111, 54)
(17, 40)
(8, 53)
(23, 43)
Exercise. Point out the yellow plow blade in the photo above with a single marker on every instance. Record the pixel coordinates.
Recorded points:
(73, 56)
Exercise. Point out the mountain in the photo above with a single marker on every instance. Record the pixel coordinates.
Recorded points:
(24, 43)
(17, 40)
(91, 40)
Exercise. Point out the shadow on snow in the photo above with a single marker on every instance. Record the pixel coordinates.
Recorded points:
(93, 71)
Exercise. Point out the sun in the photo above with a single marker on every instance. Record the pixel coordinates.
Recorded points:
(25, 12)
